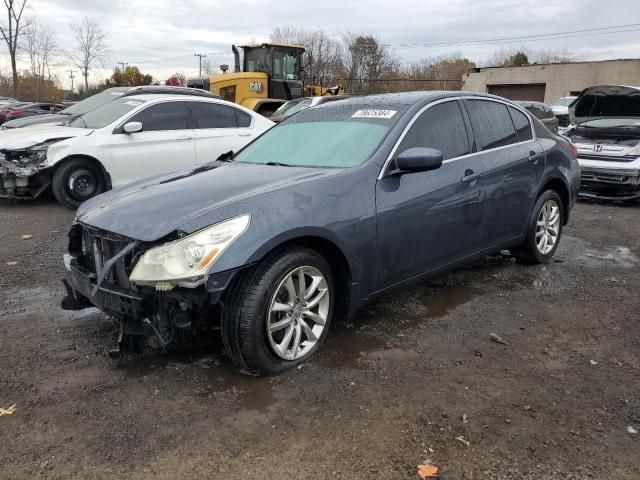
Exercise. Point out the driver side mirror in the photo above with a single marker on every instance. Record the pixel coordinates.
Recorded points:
(419, 159)
(132, 127)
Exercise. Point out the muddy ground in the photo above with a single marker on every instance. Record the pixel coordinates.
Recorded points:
(386, 393)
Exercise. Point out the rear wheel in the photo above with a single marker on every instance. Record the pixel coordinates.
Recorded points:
(278, 314)
(76, 181)
(544, 231)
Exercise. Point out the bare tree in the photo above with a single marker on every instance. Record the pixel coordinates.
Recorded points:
(40, 44)
(11, 33)
(321, 52)
(207, 69)
(561, 55)
(90, 47)
(365, 63)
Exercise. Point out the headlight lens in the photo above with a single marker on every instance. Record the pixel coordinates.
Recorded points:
(187, 260)
(38, 153)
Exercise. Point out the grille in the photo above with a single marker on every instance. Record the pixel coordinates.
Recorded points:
(563, 120)
(99, 247)
(608, 158)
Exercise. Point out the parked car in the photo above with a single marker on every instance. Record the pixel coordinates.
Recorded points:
(542, 112)
(328, 210)
(120, 142)
(561, 110)
(606, 131)
(297, 104)
(8, 99)
(32, 109)
(80, 108)
(4, 109)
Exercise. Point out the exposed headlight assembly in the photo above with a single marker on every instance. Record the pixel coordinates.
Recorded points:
(185, 262)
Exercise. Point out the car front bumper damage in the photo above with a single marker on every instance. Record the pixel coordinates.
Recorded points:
(96, 275)
(610, 180)
(23, 182)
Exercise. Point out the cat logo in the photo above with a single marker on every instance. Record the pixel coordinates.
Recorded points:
(257, 87)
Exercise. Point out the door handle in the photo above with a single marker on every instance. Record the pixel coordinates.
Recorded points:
(534, 157)
(470, 176)
(184, 138)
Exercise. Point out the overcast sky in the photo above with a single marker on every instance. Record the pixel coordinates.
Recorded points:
(161, 36)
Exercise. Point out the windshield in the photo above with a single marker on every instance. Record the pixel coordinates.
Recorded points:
(564, 101)
(94, 101)
(612, 123)
(334, 136)
(106, 114)
(292, 106)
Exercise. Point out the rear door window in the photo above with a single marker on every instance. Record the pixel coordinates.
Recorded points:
(491, 123)
(213, 115)
(441, 127)
(521, 122)
(163, 116)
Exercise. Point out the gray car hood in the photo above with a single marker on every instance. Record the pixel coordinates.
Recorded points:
(184, 201)
(16, 139)
(606, 101)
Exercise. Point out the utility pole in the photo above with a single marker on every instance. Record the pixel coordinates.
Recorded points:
(71, 76)
(122, 64)
(200, 57)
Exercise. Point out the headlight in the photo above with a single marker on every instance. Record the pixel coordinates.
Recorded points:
(186, 261)
(38, 152)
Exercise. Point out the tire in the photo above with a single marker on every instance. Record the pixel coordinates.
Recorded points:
(530, 251)
(252, 331)
(76, 181)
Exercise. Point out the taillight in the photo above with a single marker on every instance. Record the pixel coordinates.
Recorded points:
(15, 111)
(574, 149)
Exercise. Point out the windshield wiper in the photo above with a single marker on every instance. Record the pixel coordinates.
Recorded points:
(278, 164)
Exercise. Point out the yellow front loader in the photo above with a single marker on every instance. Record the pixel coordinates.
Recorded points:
(271, 75)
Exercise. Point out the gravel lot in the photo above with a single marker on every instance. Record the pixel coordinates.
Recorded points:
(386, 393)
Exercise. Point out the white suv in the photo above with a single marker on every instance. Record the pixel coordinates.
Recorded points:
(120, 142)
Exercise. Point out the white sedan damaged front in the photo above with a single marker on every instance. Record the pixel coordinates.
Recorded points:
(24, 172)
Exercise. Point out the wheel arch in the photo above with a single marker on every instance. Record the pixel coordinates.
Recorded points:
(341, 268)
(95, 161)
(560, 186)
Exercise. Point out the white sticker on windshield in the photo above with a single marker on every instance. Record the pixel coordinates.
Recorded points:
(374, 113)
(131, 102)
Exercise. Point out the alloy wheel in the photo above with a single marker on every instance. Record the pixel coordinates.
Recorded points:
(548, 227)
(298, 313)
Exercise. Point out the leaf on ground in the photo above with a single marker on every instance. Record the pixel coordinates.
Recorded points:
(8, 411)
(427, 471)
(497, 339)
(463, 441)
(27, 237)
(465, 418)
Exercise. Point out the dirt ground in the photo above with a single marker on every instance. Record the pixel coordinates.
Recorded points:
(386, 393)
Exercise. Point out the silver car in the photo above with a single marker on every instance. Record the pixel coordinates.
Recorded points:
(605, 128)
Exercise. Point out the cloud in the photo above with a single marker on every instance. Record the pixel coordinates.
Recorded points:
(161, 36)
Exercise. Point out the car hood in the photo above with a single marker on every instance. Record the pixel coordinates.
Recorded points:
(19, 138)
(605, 101)
(189, 200)
(47, 118)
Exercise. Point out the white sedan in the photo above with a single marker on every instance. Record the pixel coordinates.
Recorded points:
(120, 142)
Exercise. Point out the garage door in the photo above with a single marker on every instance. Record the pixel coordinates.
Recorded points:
(526, 91)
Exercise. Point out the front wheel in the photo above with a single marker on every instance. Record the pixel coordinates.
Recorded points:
(76, 181)
(279, 313)
(544, 230)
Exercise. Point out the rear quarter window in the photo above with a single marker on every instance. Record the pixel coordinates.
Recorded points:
(491, 123)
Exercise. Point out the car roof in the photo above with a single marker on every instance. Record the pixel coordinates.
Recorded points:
(164, 89)
(172, 96)
(410, 98)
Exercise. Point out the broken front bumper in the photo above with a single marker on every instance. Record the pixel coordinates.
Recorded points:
(81, 285)
(22, 182)
(610, 180)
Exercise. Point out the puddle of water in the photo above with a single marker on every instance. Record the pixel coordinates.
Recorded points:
(389, 318)
(584, 253)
